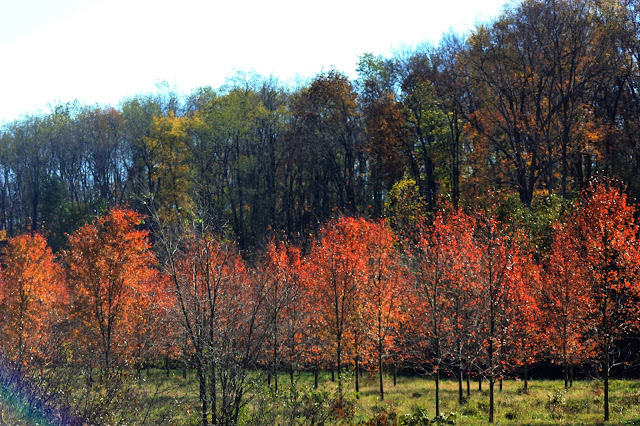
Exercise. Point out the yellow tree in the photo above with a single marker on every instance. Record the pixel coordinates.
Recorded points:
(170, 182)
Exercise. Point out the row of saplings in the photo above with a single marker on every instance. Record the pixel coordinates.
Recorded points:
(460, 289)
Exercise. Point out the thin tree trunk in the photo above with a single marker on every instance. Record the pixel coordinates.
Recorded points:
(437, 380)
(491, 400)
(395, 374)
(291, 373)
(606, 378)
(357, 361)
(203, 394)
(460, 379)
(570, 375)
(380, 371)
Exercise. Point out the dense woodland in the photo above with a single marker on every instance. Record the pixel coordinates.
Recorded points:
(466, 209)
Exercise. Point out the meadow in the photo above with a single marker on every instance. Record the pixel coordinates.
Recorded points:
(156, 399)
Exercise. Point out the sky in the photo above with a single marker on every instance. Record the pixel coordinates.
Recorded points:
(103, 51)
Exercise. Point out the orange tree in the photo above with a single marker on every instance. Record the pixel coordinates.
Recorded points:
(386, 294)
(31, 293)
(109, 267)
(337, 273)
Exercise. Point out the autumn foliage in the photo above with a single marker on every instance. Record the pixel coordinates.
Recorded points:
(32, 295)
(110, 271)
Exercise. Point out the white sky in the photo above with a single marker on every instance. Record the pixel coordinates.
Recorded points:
(101, 51)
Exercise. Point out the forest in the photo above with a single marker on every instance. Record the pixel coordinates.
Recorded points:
(462, 211)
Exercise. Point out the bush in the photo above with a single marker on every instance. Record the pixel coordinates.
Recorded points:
(419, 417)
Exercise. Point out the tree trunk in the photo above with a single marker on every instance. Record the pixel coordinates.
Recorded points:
(437, 380)
(460, 379)
(570, 375)
(380, 372)
(212, 391)
(606, 377)
(395, 374)
(357, 366)
(491, 401)
(291, 373)
(202, 380)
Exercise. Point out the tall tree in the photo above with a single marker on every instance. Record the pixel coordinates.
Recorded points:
(110, 263)
(31, 295)
(338, 272)
(566, 302)
(387, 292)
(606, 234)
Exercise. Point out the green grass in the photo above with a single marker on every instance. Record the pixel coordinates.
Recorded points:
(547, 402)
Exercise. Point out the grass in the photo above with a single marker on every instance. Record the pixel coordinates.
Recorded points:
(546, 402)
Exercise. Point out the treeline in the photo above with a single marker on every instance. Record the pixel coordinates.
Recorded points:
(532, 104)
(459, 293)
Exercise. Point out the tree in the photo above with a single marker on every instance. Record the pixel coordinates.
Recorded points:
(31, 295)
(109, 264)
(566, 302)
(283, 300)
(498, 281)
(327, 130)
(385, 125)
(431, 263)
(220, 304)
(387, 288)
(337, 269)
(169, 168)
(425, 123)
(529, 75)
(606, 234)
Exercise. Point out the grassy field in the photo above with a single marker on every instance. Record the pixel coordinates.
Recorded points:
(547, 402)
(158, 400)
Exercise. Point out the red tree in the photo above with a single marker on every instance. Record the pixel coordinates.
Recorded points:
(386, 292)
(566, 302)
(606, 235)
(499, 281)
